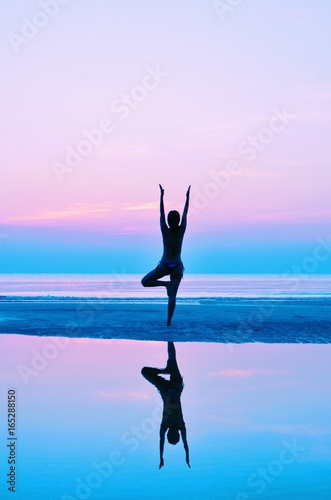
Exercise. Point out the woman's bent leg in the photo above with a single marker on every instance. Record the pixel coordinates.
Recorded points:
(152, 278)
(152, 375)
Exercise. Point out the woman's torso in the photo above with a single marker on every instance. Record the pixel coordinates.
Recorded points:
(172, 245)
(172, 409)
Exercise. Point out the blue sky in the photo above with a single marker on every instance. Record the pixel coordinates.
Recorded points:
(104, 101)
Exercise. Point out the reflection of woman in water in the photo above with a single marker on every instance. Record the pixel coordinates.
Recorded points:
(170, 390)
(170, 263)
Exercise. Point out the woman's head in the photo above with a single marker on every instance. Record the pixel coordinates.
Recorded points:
(173, 435)
(173, 219)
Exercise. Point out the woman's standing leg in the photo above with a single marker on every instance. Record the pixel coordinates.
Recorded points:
(176, 378)
(175, 279)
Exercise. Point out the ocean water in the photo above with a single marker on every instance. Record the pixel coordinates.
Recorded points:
(257, 420)
(256, 414)
(192, 286)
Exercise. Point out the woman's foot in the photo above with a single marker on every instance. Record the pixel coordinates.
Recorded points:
(167, 369)
(168, 284)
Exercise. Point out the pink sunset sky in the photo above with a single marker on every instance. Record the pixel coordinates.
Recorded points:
(103, 101)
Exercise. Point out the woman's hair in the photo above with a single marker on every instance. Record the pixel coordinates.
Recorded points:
(173, 219)
(173, 435)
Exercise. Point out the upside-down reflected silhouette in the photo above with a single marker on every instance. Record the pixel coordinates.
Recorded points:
(170, 391)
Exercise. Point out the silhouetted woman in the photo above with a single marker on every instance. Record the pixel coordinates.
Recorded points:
(170, 390)
(170, 263)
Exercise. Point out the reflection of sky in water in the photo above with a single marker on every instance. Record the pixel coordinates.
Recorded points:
(257, 418)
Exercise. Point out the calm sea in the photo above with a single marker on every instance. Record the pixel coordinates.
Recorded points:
(193, 285)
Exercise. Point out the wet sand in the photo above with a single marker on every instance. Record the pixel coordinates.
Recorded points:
(235, 320)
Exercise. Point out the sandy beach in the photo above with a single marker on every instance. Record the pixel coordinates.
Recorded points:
(226, 320)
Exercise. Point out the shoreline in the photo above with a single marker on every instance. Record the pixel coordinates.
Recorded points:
(189, 298)
(218, 319)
